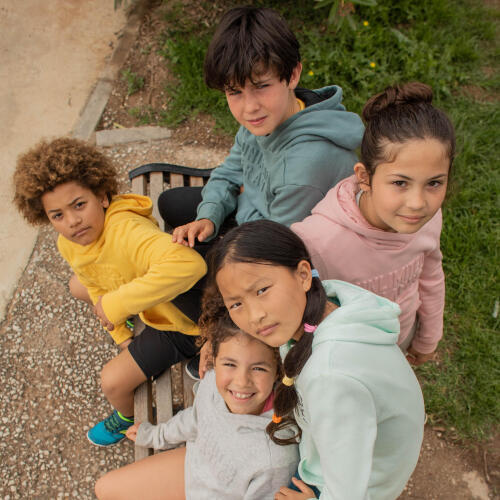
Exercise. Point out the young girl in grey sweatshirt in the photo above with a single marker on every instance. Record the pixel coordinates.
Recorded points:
(228, 453)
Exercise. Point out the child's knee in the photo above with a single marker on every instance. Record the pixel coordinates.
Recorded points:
(111, 381)
(103, 488)
(78, 290)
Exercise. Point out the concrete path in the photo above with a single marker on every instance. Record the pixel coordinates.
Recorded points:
(51, 55)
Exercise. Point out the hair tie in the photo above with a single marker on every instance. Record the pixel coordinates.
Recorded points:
(314, 273)
(287, 381)
(310, 328)
(276, 419)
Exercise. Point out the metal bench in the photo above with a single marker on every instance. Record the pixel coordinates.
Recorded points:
(153, 401)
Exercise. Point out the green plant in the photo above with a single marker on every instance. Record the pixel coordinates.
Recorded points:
(341, 11)
(189, 95)
(133, 80)
(461, 391)
(144, 116)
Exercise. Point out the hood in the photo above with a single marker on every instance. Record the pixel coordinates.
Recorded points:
(339, 206)
(326, 119)
(362, 317)
(141, 205)
(119, 209)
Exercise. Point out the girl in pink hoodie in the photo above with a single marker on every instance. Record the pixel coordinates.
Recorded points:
(380, 228)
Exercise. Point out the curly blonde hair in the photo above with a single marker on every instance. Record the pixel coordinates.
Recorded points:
(51, 163)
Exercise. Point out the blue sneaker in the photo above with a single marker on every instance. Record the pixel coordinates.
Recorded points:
(111, 430)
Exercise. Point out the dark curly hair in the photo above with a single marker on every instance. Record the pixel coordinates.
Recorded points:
(51, 163)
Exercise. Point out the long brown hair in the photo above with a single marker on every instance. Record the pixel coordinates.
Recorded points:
(398, 114)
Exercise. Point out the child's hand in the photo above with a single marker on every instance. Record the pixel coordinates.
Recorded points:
(205, 358)
(416, 358)
(99, 312)
(200, 229)
(132, 431)
(288, 494)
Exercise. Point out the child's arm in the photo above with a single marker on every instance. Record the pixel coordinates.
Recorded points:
(179, 429)
(119, 333)
(99, 312)
(188, 233)
(164, 271)
(431, 291)
(344, 426)
(220, 195)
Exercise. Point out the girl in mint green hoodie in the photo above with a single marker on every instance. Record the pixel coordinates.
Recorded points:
(347, 384)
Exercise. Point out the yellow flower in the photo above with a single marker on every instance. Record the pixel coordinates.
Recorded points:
(365, 23)
(311, 72)
(372, 64)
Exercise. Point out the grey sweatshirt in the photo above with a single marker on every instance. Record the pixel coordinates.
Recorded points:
(228, 456)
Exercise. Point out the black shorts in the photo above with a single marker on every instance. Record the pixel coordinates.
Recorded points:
(155, 350)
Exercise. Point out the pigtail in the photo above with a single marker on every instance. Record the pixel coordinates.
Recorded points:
(286, 395)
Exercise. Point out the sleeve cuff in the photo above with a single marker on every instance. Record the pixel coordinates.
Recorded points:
(120, 334)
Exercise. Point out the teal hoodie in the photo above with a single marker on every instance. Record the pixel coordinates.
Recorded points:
(285, 173)
(360, 408)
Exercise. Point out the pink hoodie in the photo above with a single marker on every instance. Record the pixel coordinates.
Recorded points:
(405, 268)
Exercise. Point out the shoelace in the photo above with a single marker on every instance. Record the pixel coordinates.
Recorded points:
(113, 423)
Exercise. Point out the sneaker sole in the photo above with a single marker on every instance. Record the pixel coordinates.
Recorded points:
(189, 373)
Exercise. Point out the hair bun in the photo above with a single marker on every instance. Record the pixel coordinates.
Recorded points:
(397, 95)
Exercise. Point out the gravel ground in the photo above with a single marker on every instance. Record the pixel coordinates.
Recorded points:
(51, 352)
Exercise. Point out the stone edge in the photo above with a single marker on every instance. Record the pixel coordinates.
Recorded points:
(96, 102)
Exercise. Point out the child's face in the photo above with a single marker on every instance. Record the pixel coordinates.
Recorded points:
(245, 371)
(406, 193)
(75, 212)
(266, 301)
(264, 105)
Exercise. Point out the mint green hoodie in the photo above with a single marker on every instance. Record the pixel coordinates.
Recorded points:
(360, 408)
(285, 173)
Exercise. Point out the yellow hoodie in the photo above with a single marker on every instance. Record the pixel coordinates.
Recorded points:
(136, 268)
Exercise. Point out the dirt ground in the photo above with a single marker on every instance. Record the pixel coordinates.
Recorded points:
(53, 348)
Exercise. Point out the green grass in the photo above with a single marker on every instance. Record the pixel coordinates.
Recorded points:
(462, 390)
(134, 81)
(452, 46)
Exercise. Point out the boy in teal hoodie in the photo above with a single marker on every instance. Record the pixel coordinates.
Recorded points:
(293, 144)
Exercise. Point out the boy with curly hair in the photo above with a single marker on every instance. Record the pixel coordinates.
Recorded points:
(123, 265)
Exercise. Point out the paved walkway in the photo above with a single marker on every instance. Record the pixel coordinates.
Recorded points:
(51, 55)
